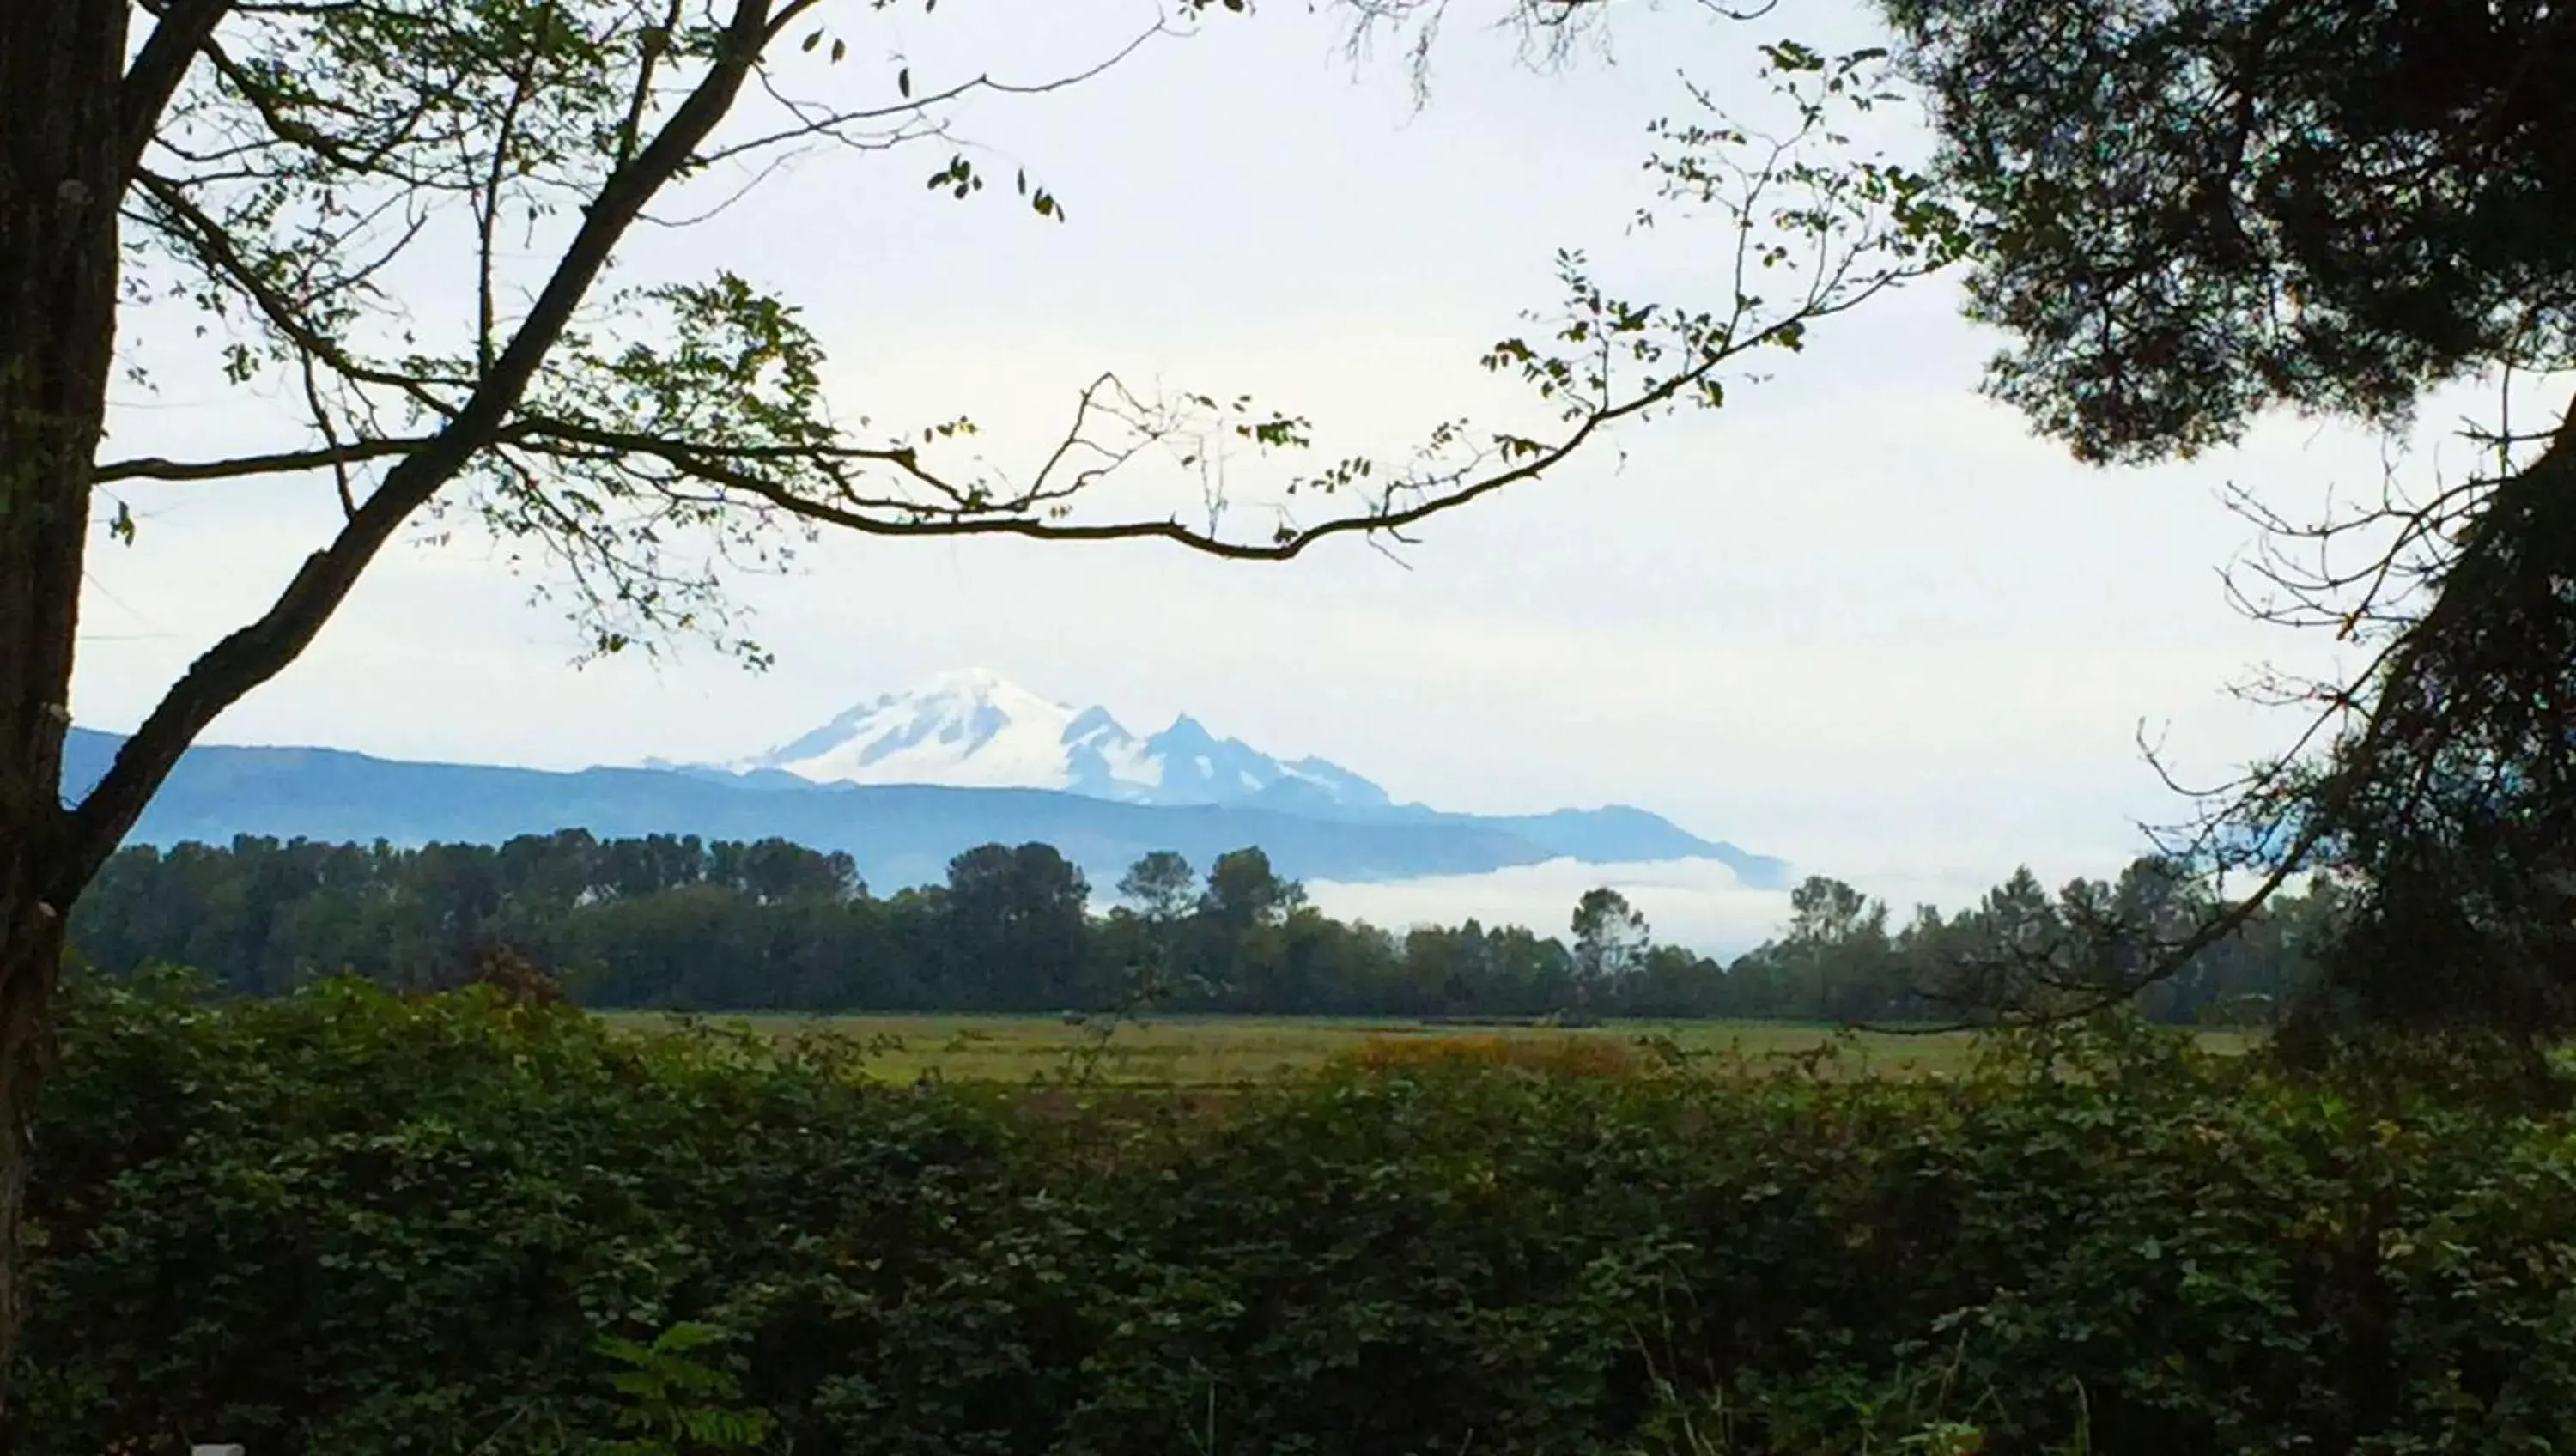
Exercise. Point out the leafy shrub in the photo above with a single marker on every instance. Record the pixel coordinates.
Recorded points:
(675, 1401)
(350, 1223)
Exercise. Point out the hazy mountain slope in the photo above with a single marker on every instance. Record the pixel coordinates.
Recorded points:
(900, 834)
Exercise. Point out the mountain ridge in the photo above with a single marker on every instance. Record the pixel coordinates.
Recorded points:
(901, 834)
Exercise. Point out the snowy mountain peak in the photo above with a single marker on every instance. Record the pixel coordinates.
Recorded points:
(973, 728)
(972, 682)
(965, 728)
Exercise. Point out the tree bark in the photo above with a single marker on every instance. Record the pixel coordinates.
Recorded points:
(61, 170)
(30, 962)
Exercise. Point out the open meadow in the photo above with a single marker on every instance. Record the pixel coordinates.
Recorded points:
(1206, 1051)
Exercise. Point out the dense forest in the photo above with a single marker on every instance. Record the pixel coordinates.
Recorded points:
(672, 922)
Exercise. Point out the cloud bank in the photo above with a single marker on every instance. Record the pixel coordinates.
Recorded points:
(1696, 903)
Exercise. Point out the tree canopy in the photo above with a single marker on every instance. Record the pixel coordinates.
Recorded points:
(2189, 212)
(2193, 210)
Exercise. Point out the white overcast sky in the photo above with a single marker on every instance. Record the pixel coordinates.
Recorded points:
(1859, 618)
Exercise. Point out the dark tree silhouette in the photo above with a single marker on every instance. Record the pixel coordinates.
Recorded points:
(2191, 212)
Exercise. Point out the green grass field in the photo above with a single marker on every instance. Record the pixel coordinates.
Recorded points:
(1207, 1051)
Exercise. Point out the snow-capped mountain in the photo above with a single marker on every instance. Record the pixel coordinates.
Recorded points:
(973, 729)
(906, 783)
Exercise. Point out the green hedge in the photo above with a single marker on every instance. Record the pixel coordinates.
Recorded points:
(347, 1223)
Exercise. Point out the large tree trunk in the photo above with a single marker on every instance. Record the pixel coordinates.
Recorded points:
(61, 170)
(31, 956)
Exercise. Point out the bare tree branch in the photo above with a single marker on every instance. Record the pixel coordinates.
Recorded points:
(1549, 30)
(2374, 740)
(244, 467)
(836, 125)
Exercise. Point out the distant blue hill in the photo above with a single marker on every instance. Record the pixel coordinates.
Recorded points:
(899, 834)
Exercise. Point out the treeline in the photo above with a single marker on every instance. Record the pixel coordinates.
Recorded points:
(674, 922)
